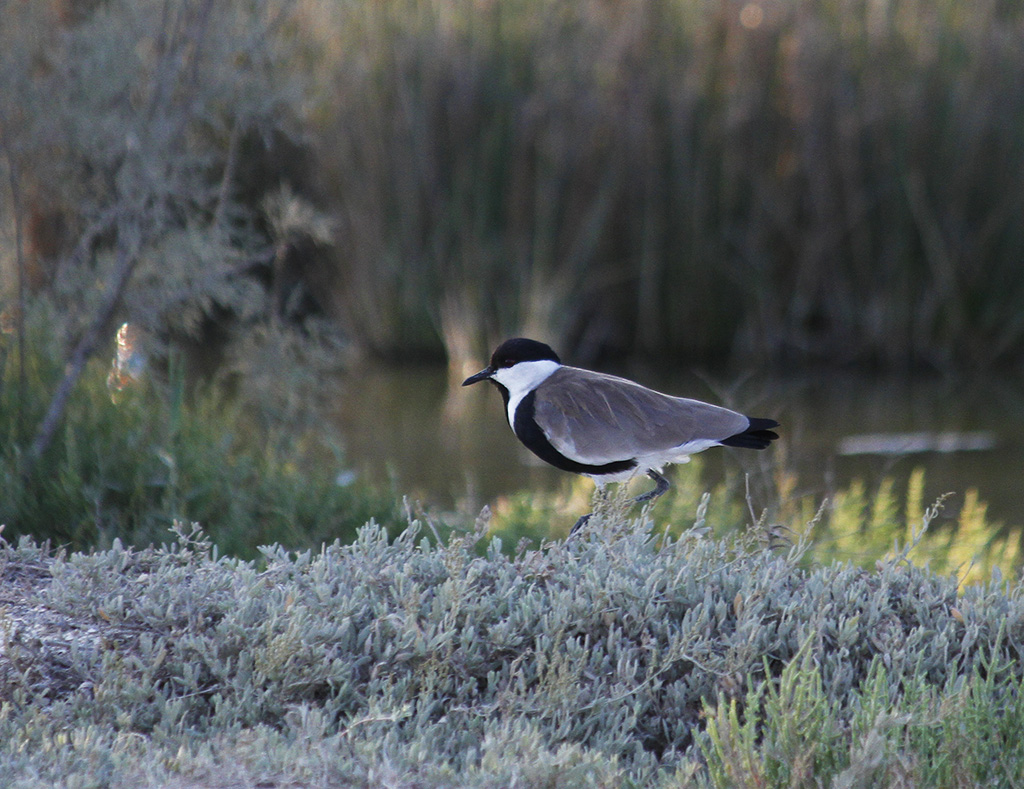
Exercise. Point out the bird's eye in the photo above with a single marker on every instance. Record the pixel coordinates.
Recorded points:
(508, 362)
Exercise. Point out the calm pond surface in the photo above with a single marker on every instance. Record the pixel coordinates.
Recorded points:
(446, 445)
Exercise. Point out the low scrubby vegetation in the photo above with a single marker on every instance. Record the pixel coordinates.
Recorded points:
(615, 658)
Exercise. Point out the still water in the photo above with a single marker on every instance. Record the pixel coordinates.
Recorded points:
(450, 446)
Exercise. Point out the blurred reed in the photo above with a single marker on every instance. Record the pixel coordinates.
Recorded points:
(830, 180)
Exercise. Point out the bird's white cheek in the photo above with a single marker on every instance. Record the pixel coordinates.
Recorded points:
(521, 378)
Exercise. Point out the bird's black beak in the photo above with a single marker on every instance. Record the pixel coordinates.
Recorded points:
(483, 375)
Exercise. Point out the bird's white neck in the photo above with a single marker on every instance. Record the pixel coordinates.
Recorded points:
(521, 379)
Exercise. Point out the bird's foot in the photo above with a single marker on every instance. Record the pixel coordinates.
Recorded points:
(661, 485)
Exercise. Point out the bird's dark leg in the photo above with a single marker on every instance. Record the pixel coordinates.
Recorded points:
(661, 485)
(601, 495)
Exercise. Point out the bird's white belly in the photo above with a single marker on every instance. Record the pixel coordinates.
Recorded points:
(657, 461)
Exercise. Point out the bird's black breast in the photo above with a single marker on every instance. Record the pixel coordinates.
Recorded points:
(529, 432)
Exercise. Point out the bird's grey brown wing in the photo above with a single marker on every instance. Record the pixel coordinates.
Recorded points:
(596, 418)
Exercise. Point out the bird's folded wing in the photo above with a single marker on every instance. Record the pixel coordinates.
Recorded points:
(596, 419)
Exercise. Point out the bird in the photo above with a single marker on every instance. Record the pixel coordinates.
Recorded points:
(608, 428)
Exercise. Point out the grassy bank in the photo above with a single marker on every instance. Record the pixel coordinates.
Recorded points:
(131, 456)
(615, 659)
(259, 463)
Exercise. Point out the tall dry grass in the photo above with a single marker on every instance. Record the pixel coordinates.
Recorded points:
(806, 180)
(833, 180)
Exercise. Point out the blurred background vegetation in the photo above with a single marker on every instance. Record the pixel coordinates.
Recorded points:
(270, 189)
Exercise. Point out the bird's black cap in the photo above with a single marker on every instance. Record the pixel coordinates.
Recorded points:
(520, 349)
(510, 352)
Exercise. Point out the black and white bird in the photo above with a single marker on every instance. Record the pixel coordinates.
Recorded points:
(605, 427)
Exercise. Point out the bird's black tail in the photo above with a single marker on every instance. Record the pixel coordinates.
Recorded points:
(758, 436)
